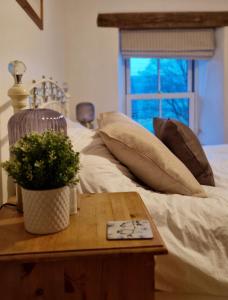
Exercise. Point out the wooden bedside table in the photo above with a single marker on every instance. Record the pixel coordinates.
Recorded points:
(79, 262)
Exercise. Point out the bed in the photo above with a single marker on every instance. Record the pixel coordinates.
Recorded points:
(194, 229)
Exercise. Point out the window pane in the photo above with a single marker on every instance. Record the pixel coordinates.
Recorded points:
(174, 75)
(143, 112)
(144, 75)
(177, 109)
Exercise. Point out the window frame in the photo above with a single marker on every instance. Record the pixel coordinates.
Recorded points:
(191, 95)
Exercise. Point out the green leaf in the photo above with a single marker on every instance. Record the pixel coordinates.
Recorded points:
(43, 161)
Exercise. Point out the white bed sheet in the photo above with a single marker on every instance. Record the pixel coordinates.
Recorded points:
(195, 230)
(218, 158)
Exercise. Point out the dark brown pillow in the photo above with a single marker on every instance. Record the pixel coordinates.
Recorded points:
(181, 140)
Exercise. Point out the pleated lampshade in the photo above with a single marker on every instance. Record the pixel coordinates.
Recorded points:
(38, 120)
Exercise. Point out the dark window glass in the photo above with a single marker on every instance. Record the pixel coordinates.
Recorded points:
(144, 75)
(174, 75)
(153, 76)
(177, 109)
(143, 112)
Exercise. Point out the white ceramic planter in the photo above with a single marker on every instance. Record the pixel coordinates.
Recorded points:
(46, 211)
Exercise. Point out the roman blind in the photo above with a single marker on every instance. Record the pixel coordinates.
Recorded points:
(184, 43)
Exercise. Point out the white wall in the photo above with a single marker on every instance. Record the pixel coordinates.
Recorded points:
(211, 94)
(225, 85)
(92, 56)
(41, 51)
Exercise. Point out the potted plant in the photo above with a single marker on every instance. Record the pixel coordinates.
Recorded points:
(44, 165)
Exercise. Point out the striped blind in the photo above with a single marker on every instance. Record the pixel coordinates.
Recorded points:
(186, 43)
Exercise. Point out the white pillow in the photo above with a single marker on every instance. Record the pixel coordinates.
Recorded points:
(80, 137)
(73, 124)
(99, 170)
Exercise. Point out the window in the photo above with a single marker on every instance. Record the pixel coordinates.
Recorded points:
(160, 88)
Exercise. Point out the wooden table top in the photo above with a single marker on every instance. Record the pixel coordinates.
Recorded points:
(86, 234)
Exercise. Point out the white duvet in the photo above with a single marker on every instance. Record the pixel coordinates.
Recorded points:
(218, 157)
(195, 230)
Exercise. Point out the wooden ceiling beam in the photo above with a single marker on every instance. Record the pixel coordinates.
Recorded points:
(163, 20)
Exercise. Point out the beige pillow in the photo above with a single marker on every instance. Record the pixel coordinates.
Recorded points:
(111, 117)
(148, 158)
